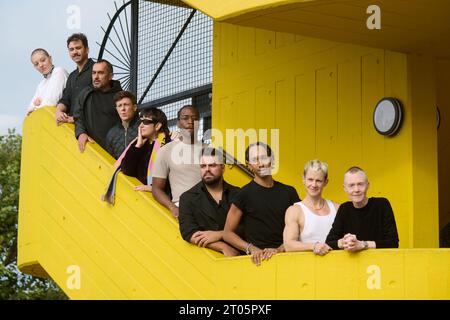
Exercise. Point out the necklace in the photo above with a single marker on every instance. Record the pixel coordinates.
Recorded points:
(320, 208)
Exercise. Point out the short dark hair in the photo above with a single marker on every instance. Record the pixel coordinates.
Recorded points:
(157, 115)
(109, 66)
(257, 144)
(185, 107)
(78, 37)
(125, 94)
(214, 152)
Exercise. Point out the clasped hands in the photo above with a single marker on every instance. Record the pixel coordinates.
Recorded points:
(350, 243)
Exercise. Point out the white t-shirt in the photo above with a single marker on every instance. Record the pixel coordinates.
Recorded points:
(50, 89)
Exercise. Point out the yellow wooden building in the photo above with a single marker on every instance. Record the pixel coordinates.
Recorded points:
(315, 71)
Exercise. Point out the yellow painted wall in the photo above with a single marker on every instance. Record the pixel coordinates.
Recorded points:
(321, 95)
(133, 250)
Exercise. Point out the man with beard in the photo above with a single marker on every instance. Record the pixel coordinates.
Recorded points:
(96, 112)
(204, 207)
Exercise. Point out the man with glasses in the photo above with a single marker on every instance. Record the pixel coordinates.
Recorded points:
(177, 163)
(204, 207)
(120, 136)
(261, 205)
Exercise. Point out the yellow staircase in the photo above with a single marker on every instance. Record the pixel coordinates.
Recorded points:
(133, 250)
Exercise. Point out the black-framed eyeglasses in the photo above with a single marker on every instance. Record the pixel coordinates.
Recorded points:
(187, 117)
(147, 121)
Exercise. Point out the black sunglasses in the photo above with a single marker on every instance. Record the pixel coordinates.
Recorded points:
(147, 121)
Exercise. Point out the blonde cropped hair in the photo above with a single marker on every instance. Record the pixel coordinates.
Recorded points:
(316, 165)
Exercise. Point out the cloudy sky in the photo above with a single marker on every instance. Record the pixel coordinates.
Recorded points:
(29, 24)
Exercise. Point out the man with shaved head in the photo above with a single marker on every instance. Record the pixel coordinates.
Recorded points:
(362, 222)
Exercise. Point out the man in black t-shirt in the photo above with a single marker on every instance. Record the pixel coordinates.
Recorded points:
(261, 204)
(363, 222)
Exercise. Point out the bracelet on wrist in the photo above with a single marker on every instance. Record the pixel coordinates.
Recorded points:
(247, 249)
(314, 246)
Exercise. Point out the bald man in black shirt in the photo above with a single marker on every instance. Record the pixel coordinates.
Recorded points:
(362, 223)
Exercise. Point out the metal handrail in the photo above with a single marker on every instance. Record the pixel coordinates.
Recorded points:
(229, 159)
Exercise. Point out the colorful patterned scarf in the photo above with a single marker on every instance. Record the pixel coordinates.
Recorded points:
(109, 195)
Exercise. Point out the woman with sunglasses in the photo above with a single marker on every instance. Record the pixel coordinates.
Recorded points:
(137, 160)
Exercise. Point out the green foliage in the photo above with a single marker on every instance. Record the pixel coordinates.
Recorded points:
(14, 284)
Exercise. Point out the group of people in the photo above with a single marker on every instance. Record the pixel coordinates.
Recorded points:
(266, 217)
(261, 219)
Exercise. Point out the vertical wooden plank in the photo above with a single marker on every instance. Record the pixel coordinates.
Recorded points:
(349, 123)
(285, 123)
(305, 118)
(372, 143)
(246, 43)
(326, 114)
(265, 41)
(399, 148)
(265, 106)
(229, 44)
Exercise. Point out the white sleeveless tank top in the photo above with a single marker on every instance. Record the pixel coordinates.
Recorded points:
(316, 228)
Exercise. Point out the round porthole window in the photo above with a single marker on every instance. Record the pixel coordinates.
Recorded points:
(387, 116)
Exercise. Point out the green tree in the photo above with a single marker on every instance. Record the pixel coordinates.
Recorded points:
(13, 283)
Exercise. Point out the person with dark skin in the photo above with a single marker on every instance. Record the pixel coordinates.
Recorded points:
(261, 204)
(177, 163)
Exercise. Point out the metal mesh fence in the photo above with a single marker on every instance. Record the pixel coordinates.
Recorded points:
(189, 65)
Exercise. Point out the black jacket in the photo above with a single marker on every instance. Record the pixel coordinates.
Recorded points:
(200, 212)
(118, 137)
(96, 113)
(135, 162)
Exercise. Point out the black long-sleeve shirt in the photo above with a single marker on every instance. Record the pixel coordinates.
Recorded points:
(77, 81)
(373, 222)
